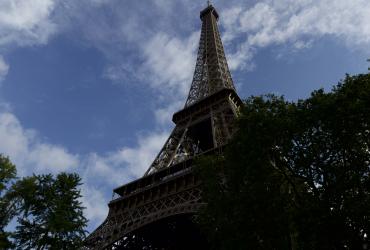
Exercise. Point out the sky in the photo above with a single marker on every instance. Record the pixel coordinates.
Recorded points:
(90, 86)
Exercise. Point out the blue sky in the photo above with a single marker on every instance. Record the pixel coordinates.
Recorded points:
(90, 86)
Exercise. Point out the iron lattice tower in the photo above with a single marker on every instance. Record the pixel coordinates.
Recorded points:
(169, 188)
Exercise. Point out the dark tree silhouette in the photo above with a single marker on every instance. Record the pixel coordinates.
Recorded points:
(7, 212)
(50, 212)
(297, 174)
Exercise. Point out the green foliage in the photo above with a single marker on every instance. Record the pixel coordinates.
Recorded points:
(296, 176)
(8, 172)
(48, 210)
(51, 213)
(7, 175)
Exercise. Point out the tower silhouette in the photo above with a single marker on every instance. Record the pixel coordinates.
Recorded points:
(150, 212)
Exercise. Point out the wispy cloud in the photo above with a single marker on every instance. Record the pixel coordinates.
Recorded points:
(170, 61)
(294, 23)
(4, 68)
(125, 164)
(100, 173)
(24, 22)
(29, 152)
(95, 201)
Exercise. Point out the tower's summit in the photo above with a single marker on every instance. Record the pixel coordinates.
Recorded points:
(209, 9)
(211, 71)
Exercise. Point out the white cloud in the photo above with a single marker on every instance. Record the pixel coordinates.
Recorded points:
(120, 73)
(52, 158)
(25, 22)
(295, 23)
(4, 68)
(13, 139)
(101, 169)
(167, 67)
(95, 202)
(100, 173)
(124, 164)
(164, 115)
(28, 153)
(170, 62)
(138, 159)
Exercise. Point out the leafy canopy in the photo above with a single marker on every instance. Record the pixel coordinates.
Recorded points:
(297, 174)
(7, 175)
(47, 208)
(51, 212)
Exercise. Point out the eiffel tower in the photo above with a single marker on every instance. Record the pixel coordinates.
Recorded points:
(146, 210)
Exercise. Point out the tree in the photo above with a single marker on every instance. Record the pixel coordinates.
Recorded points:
(297, 174)
(51, 215)
(7, 175)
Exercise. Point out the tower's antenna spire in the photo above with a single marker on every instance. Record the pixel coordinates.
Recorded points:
(208, 3)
